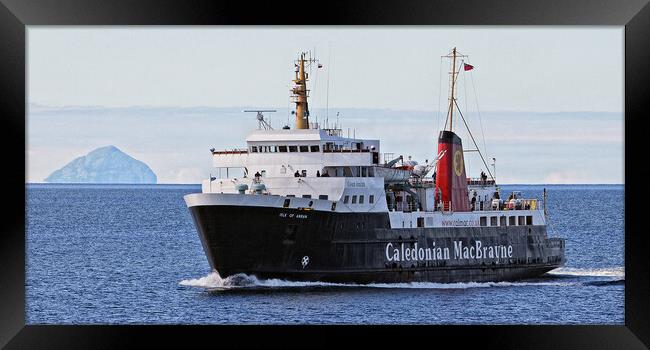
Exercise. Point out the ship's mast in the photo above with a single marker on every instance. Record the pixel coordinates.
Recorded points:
(452, 102)
(452, 98)
(453, 86)
(300, 94)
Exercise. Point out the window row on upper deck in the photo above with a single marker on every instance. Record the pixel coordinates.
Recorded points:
(354, 147)
(284, 149)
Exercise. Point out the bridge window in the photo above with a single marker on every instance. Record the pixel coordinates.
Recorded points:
(333, 206)
(511, 221)
(306, 196)
(493, 221)
(303, 173)
(354, 199)
(529, 220)
(291, 195)
(282, 148)
(315, 148)
(323, 196)
(361, 199)
(371, 199)
(286, 202)
(293, 148)
(522, 220)
(253, 149)
(483, 221)
(346, 199)
(502, 221)
(304, 148)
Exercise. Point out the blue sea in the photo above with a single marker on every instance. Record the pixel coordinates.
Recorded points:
(129, 254)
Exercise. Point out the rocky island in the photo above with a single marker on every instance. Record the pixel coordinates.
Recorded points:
(104, 165)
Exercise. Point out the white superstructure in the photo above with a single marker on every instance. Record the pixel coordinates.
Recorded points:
(319, 169)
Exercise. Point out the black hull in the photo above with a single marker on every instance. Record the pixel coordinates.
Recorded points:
(359, 247)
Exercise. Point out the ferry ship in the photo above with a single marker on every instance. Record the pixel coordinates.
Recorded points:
(313, 205)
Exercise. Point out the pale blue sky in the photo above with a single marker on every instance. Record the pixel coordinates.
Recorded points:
(542, 75)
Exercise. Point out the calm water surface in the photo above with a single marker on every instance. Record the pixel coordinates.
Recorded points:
(130, 254)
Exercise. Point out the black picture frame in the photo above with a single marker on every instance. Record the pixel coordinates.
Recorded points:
(15, 15)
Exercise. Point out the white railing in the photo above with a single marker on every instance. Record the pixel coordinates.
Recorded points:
(514, 204)
(480, 182)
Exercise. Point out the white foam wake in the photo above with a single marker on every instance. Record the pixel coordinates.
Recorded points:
(214, 281)
(277, 283)
(466, 285)
(597, 272)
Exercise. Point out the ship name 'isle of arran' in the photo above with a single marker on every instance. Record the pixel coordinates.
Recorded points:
(316, 206)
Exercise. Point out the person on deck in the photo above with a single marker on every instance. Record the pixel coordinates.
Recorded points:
(474, 202)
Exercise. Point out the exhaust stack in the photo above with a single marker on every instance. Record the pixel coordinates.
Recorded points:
(451, 180)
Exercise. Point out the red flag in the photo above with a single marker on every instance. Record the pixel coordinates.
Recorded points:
(467, 66)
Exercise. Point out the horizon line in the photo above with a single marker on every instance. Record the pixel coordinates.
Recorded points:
(199, 184)
(46, 106)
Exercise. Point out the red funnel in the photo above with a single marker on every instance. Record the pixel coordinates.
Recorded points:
(450, 176)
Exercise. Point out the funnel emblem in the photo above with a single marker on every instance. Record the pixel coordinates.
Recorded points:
(458, 163)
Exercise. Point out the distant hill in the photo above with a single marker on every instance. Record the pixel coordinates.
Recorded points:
(104, 165)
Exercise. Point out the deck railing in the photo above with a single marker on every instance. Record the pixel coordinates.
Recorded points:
(448, 207)
(231, 151)
(346, 150)
(480, 182)
(516, 204)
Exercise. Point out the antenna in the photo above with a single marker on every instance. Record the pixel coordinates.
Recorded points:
(288, 108)
(338, 125)
(327, 89)
(261, 122)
